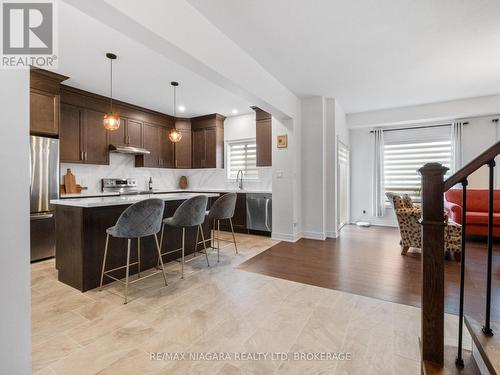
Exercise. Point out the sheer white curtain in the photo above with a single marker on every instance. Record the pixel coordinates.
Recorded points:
(378, 173)
(457, 143)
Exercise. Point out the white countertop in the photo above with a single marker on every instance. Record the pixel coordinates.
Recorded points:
(220, 190)
(122, 200)
(88, 195)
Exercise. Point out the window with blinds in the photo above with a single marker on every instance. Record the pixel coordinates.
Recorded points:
(401, 161)
(242, 155)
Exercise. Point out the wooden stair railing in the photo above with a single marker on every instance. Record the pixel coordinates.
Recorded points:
(433, 225)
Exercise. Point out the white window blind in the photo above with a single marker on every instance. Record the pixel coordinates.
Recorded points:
(242, 155)
(403, 159)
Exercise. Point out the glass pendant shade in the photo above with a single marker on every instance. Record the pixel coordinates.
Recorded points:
(174, 135)
(111, 121)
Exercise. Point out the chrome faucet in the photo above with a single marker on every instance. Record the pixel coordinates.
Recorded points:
(240, 182)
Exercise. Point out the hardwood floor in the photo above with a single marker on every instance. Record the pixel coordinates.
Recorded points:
(367, 262)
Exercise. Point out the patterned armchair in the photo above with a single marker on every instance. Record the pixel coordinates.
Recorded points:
(408, 216)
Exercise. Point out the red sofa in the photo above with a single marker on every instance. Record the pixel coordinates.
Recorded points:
(477, 210)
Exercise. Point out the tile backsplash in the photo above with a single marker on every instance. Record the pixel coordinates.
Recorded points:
(122, 165)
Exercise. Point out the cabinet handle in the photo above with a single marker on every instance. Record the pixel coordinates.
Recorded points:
(85, 155)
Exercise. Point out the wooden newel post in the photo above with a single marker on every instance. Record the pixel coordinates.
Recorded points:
(433, 225)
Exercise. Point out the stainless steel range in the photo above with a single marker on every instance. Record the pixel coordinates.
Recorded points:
(122, 186)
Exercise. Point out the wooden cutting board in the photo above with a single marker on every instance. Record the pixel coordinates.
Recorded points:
(70, 182)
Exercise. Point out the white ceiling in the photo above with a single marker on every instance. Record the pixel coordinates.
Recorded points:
(369, 54)
(141, 76)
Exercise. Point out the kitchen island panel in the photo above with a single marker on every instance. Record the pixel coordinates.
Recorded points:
(81, 237)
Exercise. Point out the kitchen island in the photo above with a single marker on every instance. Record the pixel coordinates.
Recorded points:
(81, 225)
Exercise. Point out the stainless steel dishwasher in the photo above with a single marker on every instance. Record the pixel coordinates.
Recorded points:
(259, 211)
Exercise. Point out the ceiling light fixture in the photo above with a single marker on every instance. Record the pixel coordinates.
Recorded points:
(111, 120)
(181, 108)
(174, 135)
(234, 111)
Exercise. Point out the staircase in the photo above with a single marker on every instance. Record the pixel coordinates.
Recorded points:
(436, 358)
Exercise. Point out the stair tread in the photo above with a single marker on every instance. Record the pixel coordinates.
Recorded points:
(450, 353)
(487, 346)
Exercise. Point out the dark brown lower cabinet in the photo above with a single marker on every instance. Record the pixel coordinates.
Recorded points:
(81, 236)
(240, 215)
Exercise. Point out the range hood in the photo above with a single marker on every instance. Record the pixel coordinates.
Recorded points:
(128, 150)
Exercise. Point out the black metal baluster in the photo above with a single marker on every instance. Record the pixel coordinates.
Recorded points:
(486, 328)
(459, 360)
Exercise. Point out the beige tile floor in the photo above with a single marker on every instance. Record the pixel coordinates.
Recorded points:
(219, 310)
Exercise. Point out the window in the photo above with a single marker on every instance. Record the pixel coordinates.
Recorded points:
(242, 155)
(402, 159)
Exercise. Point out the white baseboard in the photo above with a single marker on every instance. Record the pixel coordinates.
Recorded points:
(314, 235)
(332, 234)
(286, 237)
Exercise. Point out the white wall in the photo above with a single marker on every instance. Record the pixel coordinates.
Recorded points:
(286, 226)
(313, 167)
(342, 134)
(425, 113)
(15, 315)
(479, 134)
(323, 120)
(330, 151)
(361, 143)
(121, 165)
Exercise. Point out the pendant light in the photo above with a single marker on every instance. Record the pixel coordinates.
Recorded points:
(111, 120)
(174, 134)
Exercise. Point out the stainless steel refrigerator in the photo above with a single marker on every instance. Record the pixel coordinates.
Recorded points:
(44, 158)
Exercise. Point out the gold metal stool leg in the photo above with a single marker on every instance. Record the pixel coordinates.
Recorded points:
(161, 244)
(104, 260)
(127, 269)
(160, 260)
(138, 256)
(218, 240)
(234, 238)
(196, 243)
(200, 228)
(182, 264)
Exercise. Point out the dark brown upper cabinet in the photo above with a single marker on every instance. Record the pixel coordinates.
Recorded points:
(166, 148)
(139, 127)
(208, 141)
(70, 135)
(83, 137)
(183, 148)
(160, 147)
(95, 138)
(263, 137)
(45, 102)
(128, 134)
(152, 144)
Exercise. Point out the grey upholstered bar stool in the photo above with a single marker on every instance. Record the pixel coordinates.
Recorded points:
(190, 213)
(142, 219)
(222, 209)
